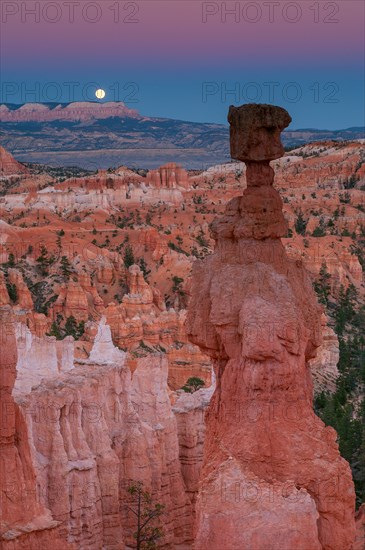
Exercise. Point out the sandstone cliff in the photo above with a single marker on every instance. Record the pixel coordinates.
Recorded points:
(25, 522)
(324, 366)
(89, 429)
(169, 176)
(95, 431)
(8, 165)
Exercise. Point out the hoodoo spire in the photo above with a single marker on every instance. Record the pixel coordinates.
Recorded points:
(272, 475)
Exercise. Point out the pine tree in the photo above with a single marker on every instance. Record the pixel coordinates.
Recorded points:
(144, 268)
(128, 256)
(72, 328)
(322, 285)
(147, 534)
(12, 291)
(11, 260)
(66, 267)
(55, 330)
(300, 224)
(43, 261)
(193, 384)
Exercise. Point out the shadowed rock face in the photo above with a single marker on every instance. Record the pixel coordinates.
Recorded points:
(272, 474)
(255, 132)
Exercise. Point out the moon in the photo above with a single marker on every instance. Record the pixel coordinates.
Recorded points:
(100, 93)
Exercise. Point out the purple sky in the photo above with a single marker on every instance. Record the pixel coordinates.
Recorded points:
(309, 54)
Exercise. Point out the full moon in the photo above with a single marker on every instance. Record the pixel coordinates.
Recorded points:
(100, 93)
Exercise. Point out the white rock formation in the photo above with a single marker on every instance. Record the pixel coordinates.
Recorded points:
(40, 358)
(103, 351)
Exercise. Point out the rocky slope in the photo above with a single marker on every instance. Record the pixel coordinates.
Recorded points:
(9, 166)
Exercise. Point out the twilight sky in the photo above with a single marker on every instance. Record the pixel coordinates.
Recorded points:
(190, 59)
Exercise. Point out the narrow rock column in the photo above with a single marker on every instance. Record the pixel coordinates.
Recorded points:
(272, 474)
(17, 479)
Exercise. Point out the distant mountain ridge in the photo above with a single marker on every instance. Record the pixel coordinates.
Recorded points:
(77, 111)
(94, 134)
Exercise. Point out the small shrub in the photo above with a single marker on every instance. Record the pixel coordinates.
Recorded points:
(193, 384)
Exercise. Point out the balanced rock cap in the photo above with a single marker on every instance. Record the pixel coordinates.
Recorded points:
(255, 131)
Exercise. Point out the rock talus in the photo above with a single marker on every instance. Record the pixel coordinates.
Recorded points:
(272, 476)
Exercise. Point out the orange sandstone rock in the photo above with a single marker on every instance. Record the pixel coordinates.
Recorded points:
(271, 467)
(8, 164)
(25, 523)
(4, 296)
(324, 365)
(94, 431)
(170, 176)
(73, 301)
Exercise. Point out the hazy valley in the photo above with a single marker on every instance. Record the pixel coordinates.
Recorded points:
(101, 135)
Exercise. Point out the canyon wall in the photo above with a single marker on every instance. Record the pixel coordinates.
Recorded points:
(82, 200)
(26, 523)
(81, 433)
(93, 432)
(169, 176)
(190, 410)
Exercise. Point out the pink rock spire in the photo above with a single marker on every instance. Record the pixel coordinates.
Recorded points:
(272, 475)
